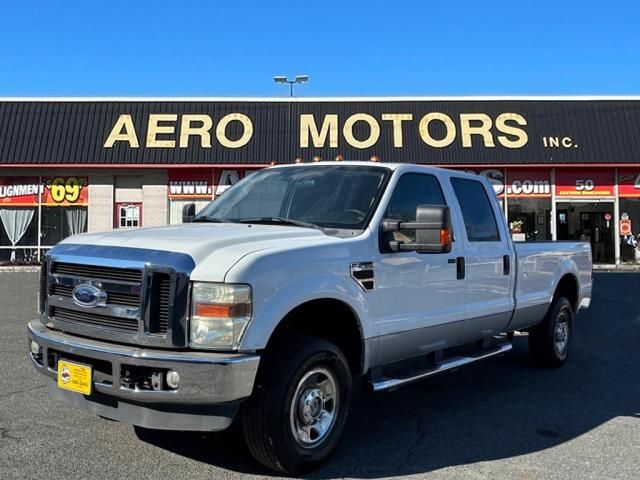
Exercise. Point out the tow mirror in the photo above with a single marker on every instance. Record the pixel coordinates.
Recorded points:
(188, 212)
(432, 227)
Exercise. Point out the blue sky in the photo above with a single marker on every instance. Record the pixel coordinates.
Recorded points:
(187, 48)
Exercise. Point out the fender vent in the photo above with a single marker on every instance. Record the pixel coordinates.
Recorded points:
(363, 273)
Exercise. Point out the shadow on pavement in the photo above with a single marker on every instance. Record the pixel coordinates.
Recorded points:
(498, 409)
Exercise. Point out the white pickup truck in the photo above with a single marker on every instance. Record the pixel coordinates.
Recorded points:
(300, 279)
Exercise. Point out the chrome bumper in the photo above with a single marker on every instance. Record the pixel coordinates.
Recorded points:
(205, 378)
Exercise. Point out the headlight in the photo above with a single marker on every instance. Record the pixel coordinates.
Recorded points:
(220, 312)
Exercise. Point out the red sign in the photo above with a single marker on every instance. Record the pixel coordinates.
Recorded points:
(584, 183)
(625, 227)
(52, 192)
(628, 182)
(191, 184)
(528, 183)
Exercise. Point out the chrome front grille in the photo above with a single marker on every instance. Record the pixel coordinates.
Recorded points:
(113, 298)
(141, 295)
(121, 310)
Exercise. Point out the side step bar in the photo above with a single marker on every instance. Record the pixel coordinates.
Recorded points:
(386, 383)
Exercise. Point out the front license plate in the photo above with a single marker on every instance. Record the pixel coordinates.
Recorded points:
(74, 377)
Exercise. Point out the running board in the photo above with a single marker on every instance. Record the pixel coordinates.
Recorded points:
(386, 383)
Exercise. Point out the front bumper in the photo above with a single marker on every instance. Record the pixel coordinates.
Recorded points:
(211, 384)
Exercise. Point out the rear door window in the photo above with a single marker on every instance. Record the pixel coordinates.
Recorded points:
(479, 219)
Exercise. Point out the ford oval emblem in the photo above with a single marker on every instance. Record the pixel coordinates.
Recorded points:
(86, 295)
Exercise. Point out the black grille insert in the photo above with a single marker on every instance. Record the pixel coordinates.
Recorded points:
(160, 303)
(91, 318)
(97, 273)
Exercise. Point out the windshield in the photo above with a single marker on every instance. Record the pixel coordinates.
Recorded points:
(329, 196)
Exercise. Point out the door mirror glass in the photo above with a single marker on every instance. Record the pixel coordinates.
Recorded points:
(188, 212)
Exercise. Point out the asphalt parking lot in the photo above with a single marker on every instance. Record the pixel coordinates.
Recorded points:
(499, 419)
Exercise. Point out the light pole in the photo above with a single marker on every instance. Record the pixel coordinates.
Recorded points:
(298, 79)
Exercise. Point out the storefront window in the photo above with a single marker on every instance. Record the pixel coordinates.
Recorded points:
(630, 238)
(529, 218)
(19, 237)
(528, 193)
(59, 223)
(38, 212)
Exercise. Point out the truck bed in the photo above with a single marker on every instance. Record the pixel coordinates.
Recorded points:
(539, 268)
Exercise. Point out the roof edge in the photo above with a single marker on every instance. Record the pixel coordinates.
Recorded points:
(331, 99)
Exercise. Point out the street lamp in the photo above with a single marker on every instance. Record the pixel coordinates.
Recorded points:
(298, 79)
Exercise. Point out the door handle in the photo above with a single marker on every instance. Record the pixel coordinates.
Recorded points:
(506, 264)
(460, 268)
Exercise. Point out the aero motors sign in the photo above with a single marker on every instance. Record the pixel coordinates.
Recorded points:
(585, 183)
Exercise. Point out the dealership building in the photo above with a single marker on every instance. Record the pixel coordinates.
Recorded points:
(563, 168)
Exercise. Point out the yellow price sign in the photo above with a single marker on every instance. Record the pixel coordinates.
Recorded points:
(66, 190)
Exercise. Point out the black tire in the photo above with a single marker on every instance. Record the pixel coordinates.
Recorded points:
(268, 417)
(545, 345)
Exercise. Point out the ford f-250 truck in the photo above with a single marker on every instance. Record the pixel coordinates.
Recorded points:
(270, 302)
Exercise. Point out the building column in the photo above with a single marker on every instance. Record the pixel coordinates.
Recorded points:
(101, 196)
(616, 220)
(554, 233)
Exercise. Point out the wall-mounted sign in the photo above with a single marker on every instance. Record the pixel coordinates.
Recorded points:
(191, 184)
(625, 226)
(51, 191)
(629, 182)
(584, 183)
(249, 133)
(528, 183)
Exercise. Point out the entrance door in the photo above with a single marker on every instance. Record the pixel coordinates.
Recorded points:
(589, 222)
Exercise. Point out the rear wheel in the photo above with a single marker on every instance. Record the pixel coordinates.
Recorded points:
(296, 416)
(549, 341)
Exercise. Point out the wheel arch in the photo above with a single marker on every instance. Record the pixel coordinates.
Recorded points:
(331, 319)
(568, 287)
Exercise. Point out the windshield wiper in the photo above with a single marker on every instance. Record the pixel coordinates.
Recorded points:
(280, 221)
(208, 220)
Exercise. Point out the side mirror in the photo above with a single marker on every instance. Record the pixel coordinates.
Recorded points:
(432, 227)
(188, 212)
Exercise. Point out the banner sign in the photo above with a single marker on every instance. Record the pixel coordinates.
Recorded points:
(629, 182)
(584, 183)
(52, 192)
(191, 184)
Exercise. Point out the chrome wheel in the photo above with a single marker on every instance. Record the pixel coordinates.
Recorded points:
(561, 333)
(314, 407)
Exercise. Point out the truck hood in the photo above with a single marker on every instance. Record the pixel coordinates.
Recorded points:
(214, 247)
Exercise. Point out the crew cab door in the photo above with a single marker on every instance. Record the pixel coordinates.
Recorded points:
(418, 300)
(489, 259)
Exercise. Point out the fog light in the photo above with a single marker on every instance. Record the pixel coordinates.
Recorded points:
(35, 348)
(173, 379)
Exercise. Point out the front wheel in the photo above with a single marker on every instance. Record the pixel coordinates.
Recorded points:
(549, 341)
(296, 416)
